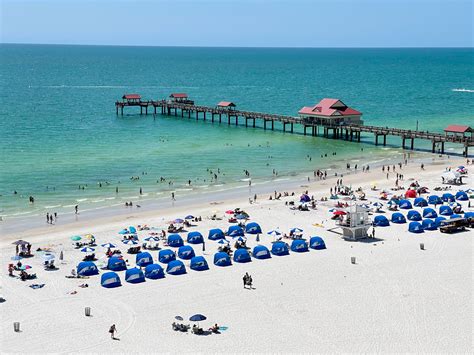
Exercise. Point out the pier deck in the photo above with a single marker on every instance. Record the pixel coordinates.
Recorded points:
(342, 131)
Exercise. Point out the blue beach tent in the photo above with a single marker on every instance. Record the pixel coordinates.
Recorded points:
(132, 229)
(405, 205)
(87, 268)
(381, 221)
(429, 225)
(420, 202)
(176, 267)
(195, 238)
(175, 240)
(429, 213)
(144, 259)
(242, 256)
(216, 234)
(222, 259)
(414, 215)
(261, 252)
(317, 243)
(166, 255)
(116, 264)
(235, 231)
(186, 252)
(462, 196)
(448, 197)
(110, 280)
(280, 249)
(398, 218)
(415, 227)
(438, 220)
(154, 272)
(445, 211)
(299, 246)
(134, 276)
(198, 263)
(253, 228)
(434, 200)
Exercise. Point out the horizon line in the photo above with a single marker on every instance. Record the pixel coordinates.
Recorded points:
(242, 47)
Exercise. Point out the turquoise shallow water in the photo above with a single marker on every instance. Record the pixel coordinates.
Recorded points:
(59, 130)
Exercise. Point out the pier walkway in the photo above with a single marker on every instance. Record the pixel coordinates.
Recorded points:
(311, 126)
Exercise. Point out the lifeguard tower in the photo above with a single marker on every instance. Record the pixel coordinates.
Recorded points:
(355, 223)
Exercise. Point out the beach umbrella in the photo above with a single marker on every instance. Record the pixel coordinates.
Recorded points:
(151, 239)
(20, 242)
(340, 213)
(48, 257)
(178, 318)
(229, 212)
(129, 242)
(25, 267)
(89, 236)
(197, 318)
(16, 257)
(123, 231)
(297, 230)
(87, 250)
(240, 239)
(179, 220)
(189, 217)
(223, 241)
(274, 232)
(241, 216)
(108, 245)
(377, 204)
(76, 238)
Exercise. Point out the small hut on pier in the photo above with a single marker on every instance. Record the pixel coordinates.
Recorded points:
(226, 105)
(181, 97)
(131, 99)
(331, 112)
(459, 131)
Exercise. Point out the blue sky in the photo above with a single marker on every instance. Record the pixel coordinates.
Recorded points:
(253, 23)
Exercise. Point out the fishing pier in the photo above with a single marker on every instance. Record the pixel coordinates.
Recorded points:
(330, 118)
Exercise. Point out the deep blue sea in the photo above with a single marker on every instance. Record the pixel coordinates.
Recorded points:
(59, 131)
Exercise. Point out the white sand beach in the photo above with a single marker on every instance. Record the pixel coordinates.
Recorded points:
(396, 298)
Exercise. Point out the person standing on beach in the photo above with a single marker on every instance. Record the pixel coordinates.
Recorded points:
(76, 209)
(112, 331)
(47, 217)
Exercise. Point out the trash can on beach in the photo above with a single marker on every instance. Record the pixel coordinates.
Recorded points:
(353, 259)
(16, 326)
(422, 246)
(88, 311)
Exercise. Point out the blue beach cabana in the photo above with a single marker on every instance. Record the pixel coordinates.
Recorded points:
(381, 221)
(438, 220)
(280, 249)
(166, 255)
(429, 213)
(429, 225)
(261, 252)
(143, 259)
(253, 228)
(222, 259)
(317, 243)
(175, 240)
(134, 276)
(110, 280)
(448, 197)
(116, 264)
(405, 205)
(176, 267)
(154, 272)
(434, 200)
(420, 202)
(415, 227)
(216, 234)
(235, 231)
(299, 246)
(198, 263)
(414, 215)
(87, 268)
(462, 196)
(398, 218)
(186, 252)
(195, 238)
(445, 211)
(242, 256)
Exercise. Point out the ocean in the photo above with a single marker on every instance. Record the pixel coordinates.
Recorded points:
(62, 143)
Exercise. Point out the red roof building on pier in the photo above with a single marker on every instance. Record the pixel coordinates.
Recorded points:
(131, 97)
(226, 104)
(459, 130)
(181, 97)
(331, 111)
